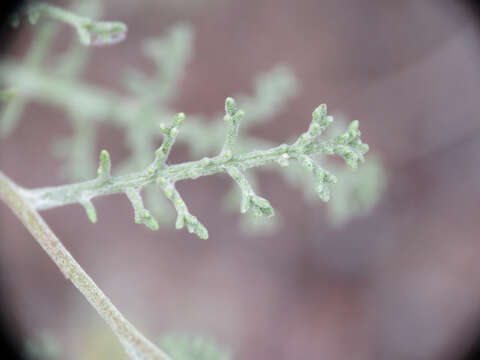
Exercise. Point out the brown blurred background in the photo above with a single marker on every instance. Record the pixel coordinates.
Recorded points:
(400, 283)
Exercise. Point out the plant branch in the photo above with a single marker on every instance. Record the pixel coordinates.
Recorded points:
(51, 197)
(136, 345)
(348, 145)
(89, 32)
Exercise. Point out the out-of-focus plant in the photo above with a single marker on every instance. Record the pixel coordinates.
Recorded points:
(88, 105)
(89, 32)
(99, 344)
(138, 114)
(188, 347)
(42, 346)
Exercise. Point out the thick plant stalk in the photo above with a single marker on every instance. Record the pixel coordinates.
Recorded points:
(135, 344)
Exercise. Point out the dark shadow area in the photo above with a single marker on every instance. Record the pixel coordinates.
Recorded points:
(6, 9)
(10, 339)
(474, 6)
(10, 342)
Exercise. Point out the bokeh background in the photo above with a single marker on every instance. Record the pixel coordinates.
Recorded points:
(399, 283)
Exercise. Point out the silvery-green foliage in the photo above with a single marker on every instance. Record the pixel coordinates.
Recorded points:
(138, 114)
(89, 32)
(78, 150)
(184, 347)
(303, 150)
(352, 196)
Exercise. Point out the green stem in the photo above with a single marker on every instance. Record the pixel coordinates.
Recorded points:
(88, 30)
(135, 344)
(50, 197)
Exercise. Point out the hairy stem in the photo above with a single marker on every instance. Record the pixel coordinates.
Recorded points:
(55, 196)
(50, 197)
(135, 344)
